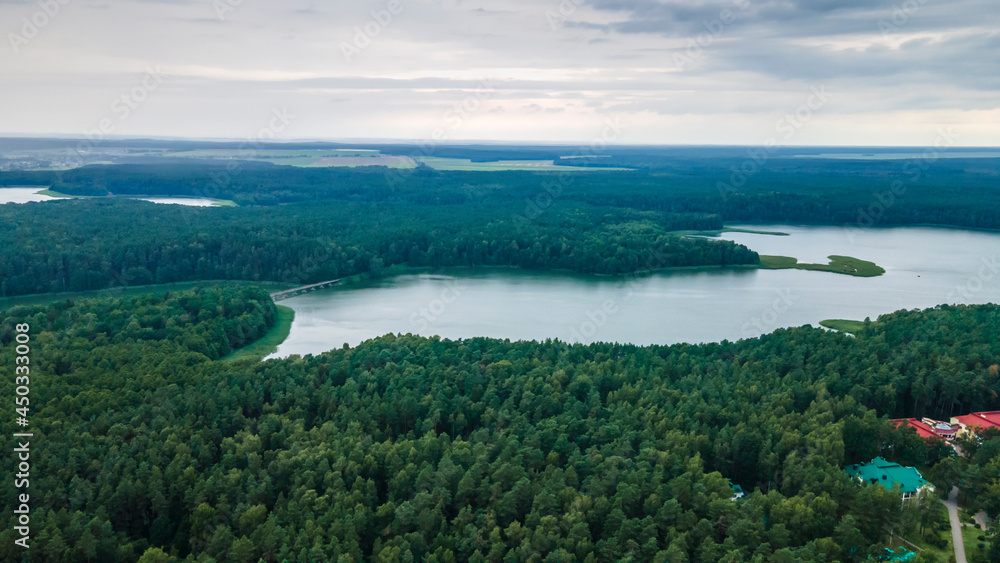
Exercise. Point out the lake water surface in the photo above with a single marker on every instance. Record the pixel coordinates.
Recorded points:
(924, 267)
(22, 195)
(189, 201)
(26, 195)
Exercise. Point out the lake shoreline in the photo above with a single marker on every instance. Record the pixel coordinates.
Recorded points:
(693, 304)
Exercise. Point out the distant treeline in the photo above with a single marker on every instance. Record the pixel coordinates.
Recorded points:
(958, 192)
(125, 150)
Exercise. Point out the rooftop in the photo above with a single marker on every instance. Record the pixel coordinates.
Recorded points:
(887, 474)
(981, 419)
(923, 430)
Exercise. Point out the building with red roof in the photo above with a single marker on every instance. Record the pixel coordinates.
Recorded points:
(930, 428)
(981, 420)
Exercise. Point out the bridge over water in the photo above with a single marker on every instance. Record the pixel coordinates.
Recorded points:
(280, 295)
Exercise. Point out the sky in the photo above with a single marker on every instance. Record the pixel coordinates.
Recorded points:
(729, 72)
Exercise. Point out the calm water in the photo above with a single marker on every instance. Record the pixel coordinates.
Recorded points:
(925, 267)
(189, 201)
(25, 195)
(22, 195)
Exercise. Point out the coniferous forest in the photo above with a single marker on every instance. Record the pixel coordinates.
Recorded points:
(421, 449)
(306, 225)
(495, 281)
(96, 244)
(152, 444)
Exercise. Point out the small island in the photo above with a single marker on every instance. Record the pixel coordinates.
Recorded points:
(838, 265)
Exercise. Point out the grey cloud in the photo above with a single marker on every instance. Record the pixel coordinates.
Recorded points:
(609, 57)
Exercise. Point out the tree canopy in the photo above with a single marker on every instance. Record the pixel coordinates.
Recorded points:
(408, 448)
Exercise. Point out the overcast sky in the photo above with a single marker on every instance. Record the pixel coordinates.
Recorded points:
(856, 72)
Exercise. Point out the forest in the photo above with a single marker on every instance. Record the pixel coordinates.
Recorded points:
(405, 448)
(861, 193)
(151, 446)
(92, 244)
(306, 225)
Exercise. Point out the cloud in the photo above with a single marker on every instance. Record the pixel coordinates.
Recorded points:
(679, 70)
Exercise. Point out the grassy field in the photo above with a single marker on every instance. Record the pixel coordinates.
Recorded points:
(842, 325)
(41, 299)
(388, 161)
(973, 546)
(838, 265)
(250, 154)
(778, 262)
(269, 343)
(301, 162)
(305, 158)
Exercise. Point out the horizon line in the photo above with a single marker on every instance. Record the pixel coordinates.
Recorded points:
(450, 142)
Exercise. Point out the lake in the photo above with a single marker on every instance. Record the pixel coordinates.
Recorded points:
(26, 195)
(924, 267)
(22, 195)
(189, 201)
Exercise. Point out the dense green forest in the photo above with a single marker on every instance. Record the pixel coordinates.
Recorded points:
(958, 192)
(314, 224)
(147, 447)
(95, 244)
(421, 449)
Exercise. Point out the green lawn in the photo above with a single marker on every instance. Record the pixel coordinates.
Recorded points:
(841, 325)
(838, 265)
(973, 546)
(269, 343)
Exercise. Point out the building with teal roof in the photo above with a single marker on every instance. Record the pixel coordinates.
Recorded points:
(889, 474)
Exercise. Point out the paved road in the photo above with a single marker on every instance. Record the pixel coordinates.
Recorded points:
(956, 526)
